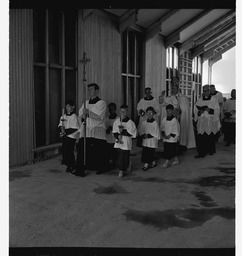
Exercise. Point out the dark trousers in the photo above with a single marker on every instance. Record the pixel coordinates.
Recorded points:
(229, 132)
(206, 144)
(148, 155)
(68, 156)
(96, 157)
(216, 136)
(123, 159)
(111, 154)
(170, 150)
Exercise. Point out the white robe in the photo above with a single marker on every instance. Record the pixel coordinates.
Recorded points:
(70, 121)
(207, 123)
(127, 140)
(187, 136)
(219, 97)
(170, 126)
(230, 107)
(152, 129)
(95, 128)
(144, 104)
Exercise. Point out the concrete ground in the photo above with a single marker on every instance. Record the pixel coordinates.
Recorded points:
(191, 205)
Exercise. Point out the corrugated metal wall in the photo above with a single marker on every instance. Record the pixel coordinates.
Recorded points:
(100, 39)
(155, 65)
(21, 86)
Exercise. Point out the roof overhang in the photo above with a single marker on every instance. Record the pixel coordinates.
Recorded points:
(204, 32)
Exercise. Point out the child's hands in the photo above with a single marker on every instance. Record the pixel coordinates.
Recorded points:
(63, 133)
(167, 136)
(142, 112)
(121, 128)
(85, 113)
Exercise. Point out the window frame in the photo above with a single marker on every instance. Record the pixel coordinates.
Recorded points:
(62, 68)
(127, 75)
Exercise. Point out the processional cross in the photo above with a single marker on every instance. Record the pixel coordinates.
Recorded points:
(84, 61)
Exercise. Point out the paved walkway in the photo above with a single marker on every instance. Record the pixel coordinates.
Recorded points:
(191, 205)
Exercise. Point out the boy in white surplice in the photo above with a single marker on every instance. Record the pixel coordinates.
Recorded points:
(206, 116)
(150, 132)
(170, 130)
(69, 126)
(124, 130)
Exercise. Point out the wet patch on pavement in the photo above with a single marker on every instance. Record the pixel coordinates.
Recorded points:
(14, 175)
(226, 163)
(187, 218)
(113, 189)
(204, 199)
(217, 181)
(208, 181)
(150, 179)
(226, 170)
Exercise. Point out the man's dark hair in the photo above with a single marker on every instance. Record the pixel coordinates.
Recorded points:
(112, 104)
(96, 87)
(70, 102)
(169, 106)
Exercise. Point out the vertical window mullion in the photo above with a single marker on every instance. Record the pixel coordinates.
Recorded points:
(76, 59)
(127, 70)
(173, 61)
(63, 80)
(135, 70)
(197, 70)
(47, 116)
(169, 82)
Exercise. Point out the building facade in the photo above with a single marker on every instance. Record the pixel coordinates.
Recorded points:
(128, 50)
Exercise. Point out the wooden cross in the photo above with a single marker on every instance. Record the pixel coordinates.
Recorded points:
(84, 61)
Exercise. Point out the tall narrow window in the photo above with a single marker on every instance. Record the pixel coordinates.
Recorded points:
(171, 66)
(186, 74)
(197, 79)
(132, 45)
(55, 68)
(190, 82)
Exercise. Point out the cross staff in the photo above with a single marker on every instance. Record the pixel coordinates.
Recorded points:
(84, 61)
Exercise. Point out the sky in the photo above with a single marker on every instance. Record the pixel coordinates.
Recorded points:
(223, 72)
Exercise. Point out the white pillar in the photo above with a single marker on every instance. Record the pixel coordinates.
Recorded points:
(209, 72)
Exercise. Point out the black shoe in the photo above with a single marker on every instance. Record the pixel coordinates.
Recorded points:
(199, 156)
(79, 173)
(69, 169)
